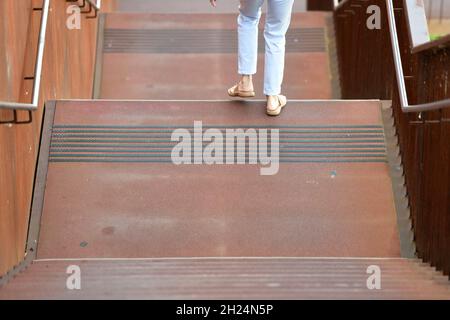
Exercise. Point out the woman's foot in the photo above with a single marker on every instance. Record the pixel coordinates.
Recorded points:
(275, 104)
(243, 88)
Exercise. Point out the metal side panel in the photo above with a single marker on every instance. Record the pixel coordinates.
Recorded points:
(38, 194)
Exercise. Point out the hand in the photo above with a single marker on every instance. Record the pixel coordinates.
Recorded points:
(213, 3)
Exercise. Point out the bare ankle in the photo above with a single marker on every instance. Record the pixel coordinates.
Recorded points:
(246, 82)
(246, 79)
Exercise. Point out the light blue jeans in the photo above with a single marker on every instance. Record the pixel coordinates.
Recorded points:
(277, 23)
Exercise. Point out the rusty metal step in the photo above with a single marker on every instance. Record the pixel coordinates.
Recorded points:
(212, 278)
(191, 56)
(112, 191)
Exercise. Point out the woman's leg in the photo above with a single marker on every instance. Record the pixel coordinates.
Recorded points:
(277, 23)
(248, 21)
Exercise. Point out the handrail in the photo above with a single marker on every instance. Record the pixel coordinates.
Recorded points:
(38, 67)
(406, 107)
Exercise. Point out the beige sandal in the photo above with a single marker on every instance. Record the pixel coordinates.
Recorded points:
(282, 101)
(235, 92)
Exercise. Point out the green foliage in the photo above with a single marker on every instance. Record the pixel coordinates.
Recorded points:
(435, 36)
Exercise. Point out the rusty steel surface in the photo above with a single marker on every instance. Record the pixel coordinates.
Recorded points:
(136, 66)
(229, 112)
(95, 207)
(276, 278)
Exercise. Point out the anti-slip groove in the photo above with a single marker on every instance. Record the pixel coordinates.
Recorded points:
(201, 41)
(169, 161)
(164, 141)
(69, 131)
(219, 126)
(77, 143)
(75, 146)
(167, 137)
(164, 151)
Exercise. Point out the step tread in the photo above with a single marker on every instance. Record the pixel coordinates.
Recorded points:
(192, 56)
(233, 278)
(107, 203)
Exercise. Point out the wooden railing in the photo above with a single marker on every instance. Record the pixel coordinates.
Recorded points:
(365, 56)
(367, 70)
(20, 135)
(33, 105)
(425, 141)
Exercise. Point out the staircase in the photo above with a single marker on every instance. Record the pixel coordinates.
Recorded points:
(109, 199)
